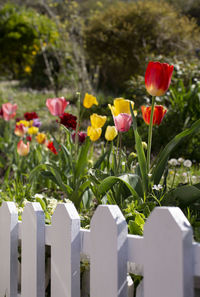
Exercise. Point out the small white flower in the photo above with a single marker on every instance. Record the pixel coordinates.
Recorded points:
(173, 162)
(157, 187)
(194, 178)
(181, 160)
(40, 196)
(184, 174)
(149, 174)
(187, 163)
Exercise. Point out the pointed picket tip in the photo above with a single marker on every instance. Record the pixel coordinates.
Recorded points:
(9, 207)
(34, 207)
(111, 213)
(67, 210)
(171, 217)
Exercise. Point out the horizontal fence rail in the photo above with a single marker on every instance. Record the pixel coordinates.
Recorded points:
(166, 255)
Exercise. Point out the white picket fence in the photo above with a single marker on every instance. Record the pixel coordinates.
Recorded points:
(166, 256)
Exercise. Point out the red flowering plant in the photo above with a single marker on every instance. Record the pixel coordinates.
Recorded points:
(157, 81)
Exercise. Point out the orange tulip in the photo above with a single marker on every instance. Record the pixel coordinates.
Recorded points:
(158, 114)
(22, 148)
(158, 78)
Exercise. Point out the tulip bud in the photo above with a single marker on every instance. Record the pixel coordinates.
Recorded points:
(144, 145)
(111, 133)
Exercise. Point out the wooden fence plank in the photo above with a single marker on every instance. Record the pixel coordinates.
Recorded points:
(8, 249)
(65, 252)
(108, 263)
(33, 251)
(168, 254)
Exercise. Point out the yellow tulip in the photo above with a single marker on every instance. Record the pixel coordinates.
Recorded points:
(89, 100)
(111, 133)
(23, 122)
(33, 130)
(41, 138)
(121, 105)
(94, 133)
(97, 121)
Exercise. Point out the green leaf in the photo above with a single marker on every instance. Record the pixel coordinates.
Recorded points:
(102, 158)
(134, 123)
(139, 220)
(83, 159)
(110, 181)
(134, 181)
(134, 228)
(141, 160)
(162, 160)
(184, 195)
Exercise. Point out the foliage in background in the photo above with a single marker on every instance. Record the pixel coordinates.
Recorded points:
(23, 32)
(123, 37)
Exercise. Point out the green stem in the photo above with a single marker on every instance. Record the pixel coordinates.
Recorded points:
(120, 151)
(77, 125)
(150, 136)
(173, 178)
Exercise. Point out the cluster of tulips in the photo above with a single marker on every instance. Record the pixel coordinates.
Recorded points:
(157, 80)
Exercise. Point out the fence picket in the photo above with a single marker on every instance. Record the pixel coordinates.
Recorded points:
(8, 249)
(108, 259)
(33, 251)
(65, 252)
(168, 254)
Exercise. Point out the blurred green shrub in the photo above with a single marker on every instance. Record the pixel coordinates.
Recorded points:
(22, 34)
(121, 40)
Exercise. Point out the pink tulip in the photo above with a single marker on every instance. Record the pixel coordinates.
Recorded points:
(22, 148)
(9, 111)
(123, 122)
(57, 106)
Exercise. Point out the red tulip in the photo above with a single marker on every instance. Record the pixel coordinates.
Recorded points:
(51, 147)
(9, 111)
(30, 116)
(57, 106)
(158, 114)
(123, 122)
(28, 138)
(68, 120)
(158, 78)
(81, 136)
(22, 148)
